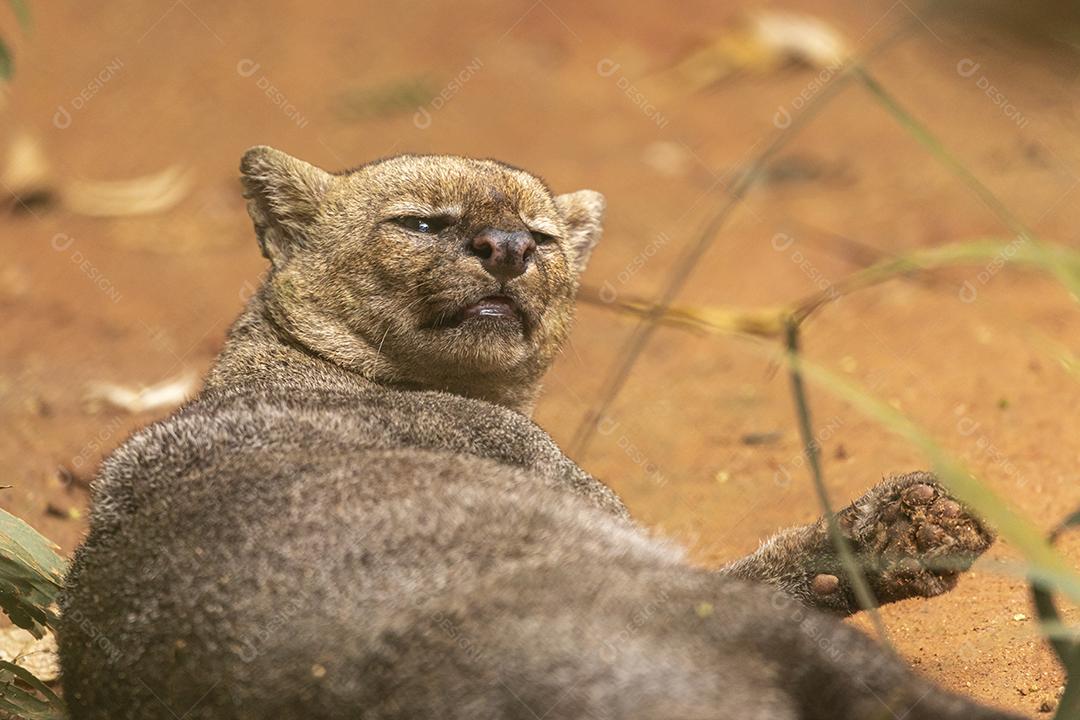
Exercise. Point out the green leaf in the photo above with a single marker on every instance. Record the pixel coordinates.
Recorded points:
(32, 680)
(31, 574)
(22, 703)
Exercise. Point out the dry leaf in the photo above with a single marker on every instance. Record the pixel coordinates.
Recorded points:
(152, 193)
(792, 37)
(136, 400)
(762, 42)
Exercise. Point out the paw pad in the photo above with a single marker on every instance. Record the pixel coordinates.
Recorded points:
(825, 584)
(913, 538)
(919, 494)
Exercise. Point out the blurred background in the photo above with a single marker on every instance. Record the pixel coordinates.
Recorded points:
(126, 252)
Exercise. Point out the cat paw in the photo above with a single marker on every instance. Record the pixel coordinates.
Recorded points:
(911, 538)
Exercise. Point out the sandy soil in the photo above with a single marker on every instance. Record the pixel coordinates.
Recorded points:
(138, 300)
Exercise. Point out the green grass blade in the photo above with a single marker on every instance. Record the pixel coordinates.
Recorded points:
(863, 594)
(1069, 705)
(628, 356)
(928, 140)
(31, 573)
(1057, 260)
(30, 679)
(42, 704)
(1066, 647)
(1069, 276)
(1045, 565)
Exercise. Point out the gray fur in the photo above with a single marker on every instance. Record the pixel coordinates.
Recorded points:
(304, 540)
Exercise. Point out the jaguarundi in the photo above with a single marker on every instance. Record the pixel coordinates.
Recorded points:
(356, 517)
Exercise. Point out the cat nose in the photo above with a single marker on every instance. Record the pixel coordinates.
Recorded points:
(505, 254)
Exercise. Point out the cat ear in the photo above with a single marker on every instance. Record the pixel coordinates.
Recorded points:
(283, 195)
(582, 213)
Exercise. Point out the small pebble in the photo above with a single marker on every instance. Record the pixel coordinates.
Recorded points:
(37, 406)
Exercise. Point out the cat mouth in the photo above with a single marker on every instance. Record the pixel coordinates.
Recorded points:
(490, 308)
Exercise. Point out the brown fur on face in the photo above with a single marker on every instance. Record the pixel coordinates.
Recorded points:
(355, 287)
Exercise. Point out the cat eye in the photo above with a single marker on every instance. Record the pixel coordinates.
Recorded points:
(423, 225)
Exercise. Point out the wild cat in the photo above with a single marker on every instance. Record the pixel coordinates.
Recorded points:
(356, 518)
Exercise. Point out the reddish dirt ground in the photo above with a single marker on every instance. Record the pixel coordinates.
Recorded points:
(185, 89)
